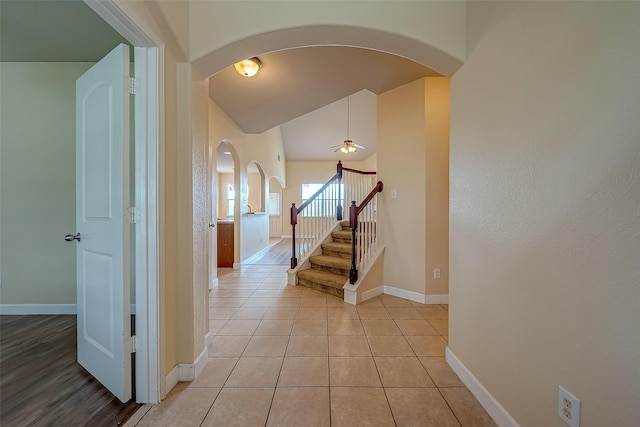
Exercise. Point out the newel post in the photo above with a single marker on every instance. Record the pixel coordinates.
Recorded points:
(294, 221)
(353, 224)
(339, 206)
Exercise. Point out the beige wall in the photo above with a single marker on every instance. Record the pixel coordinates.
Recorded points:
(401, 158)
(413, 161)
(268, 26)
(545, 197)
(436, 102)
(38, 197)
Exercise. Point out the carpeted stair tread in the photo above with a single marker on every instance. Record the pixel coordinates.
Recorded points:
(342, 248)
(323, 278)
(341, 236)
(331, 261)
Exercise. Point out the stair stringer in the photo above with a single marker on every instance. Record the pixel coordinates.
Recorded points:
(370, 281)
(303, 263)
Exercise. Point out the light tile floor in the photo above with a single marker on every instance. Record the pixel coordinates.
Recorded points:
(290, 356)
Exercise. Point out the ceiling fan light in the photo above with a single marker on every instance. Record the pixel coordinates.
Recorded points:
(344, 149)
(352, 149)
(248, 67)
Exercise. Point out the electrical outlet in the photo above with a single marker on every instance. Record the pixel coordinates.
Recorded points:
(394, 193)
(568, 407)
(436, 273)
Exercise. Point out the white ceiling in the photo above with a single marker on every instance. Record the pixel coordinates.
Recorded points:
(302, 90)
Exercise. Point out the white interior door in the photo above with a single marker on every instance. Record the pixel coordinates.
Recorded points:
(102, 199)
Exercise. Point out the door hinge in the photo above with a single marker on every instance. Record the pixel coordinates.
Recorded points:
(133, 215)
(134, 344)
(132, 85)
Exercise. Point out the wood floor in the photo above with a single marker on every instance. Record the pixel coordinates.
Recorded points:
(279, 253)
(42, 384)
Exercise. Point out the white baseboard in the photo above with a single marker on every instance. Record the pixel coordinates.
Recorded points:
(488, 402)
(208, 339)
(437, 299)
(371, 293)
(172, 379)
(188, 371)
(286, 236)
(415, 296)
(237, 265)
(28, 309)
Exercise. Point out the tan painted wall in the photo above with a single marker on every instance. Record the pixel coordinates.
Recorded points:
(413, 159)
(437, 184)
(545, 197)
(442, 23)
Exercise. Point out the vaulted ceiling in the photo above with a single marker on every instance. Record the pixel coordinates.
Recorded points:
(304, 90)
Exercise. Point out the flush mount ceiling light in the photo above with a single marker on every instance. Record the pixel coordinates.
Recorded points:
(248, 67)
(348, 146)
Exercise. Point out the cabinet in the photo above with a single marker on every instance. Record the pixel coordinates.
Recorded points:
(225, 244)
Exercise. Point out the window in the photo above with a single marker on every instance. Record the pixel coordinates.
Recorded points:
(274, 204)
(325, 204)
(231, 200)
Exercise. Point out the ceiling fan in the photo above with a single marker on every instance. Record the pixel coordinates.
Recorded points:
(348, 146)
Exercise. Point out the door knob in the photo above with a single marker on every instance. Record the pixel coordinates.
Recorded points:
(71, 237)
(211, 225)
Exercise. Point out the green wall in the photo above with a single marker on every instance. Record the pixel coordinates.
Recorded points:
(37, 182)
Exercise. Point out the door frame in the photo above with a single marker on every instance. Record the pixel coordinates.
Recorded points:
(149, 158)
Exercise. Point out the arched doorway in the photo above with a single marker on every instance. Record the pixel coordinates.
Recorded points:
(225, 209)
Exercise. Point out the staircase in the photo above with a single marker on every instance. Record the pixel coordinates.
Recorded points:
(330, 271)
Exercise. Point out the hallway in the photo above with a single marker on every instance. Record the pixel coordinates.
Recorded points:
(290, 356)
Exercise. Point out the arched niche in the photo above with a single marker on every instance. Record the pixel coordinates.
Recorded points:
(228, 180)
(225, 242)
(256, 188)
(275, 208)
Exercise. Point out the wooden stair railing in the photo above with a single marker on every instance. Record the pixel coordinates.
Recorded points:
(324, 208)
(363, 243)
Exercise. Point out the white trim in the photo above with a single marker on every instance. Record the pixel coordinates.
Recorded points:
(488, 402)
(189, 371)
(436, 299)
(213, 283)
(119, 20)
(372, 293)
(172, 378)
(149, 142)
(237, 265)
(147, 149)
(286, 236)
(256, 256)
(35, 309)
(416, 296)
(208, 339)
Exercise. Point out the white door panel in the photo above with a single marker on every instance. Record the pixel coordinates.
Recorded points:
(102, 194)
